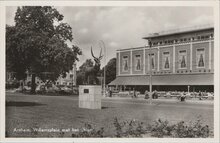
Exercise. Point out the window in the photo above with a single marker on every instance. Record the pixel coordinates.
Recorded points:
(152, 61)
(166, 60)
(176, 40)
(202, 37)
(182, 59)
(200, 58)
(125, 63)
(137, 62)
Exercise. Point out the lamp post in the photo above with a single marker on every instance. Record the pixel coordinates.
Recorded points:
(150, 70)
(188, 88)
(104, 67)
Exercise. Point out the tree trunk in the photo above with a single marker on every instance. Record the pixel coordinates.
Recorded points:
(22, 85)
(33, 85)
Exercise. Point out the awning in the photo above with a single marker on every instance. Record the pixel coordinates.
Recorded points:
(177, 79)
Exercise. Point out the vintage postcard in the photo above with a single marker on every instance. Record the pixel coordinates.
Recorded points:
(109, 71)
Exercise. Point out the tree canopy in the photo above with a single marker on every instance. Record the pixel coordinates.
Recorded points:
(110, 70)
(82, 69)
(38, 43)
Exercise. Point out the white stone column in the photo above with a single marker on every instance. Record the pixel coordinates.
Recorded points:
(144, 61)
(158, 58)
(174, 54)
(210, 51)
(131, 62)
(191, 55)
(119, 61)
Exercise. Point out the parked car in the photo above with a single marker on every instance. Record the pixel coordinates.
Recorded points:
(66, 89)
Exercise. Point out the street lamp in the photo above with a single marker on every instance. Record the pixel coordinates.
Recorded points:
(150, 70)
(104, 66)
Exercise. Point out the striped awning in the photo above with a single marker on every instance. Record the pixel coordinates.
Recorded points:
(177, 79)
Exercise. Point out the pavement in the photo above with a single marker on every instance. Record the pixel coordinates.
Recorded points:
(162, 100)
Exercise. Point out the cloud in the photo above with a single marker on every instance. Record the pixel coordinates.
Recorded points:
(124, 27)
(83, 31)
(202, 19)
(113, 44)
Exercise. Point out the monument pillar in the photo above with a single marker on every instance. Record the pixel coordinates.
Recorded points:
(90, 96)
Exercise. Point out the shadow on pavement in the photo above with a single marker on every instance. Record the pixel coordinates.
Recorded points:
(22, 104)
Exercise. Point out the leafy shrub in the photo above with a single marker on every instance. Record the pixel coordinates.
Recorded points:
(118, 126)
(130, 128)
(196, 130)
(12, 85)
(180, 130)
(161, 128)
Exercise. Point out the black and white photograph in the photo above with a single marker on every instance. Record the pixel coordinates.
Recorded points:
(122, 70)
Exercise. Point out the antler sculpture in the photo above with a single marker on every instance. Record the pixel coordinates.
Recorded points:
(91, 72)
(95, 58)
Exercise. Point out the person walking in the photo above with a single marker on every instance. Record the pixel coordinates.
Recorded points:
(110, 92)
(146, 94)
(200, 95)
(183, 97)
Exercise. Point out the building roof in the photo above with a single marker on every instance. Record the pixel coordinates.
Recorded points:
(135, 48)
(180, 31)
(174, 79)
(172, 32)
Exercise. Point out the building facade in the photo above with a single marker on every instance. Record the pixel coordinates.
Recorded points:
(70, 78)
(180, 59)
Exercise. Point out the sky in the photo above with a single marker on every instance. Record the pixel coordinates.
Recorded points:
(122, 27)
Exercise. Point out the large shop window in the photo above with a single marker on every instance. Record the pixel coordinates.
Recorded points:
(182, 59)
(166, 60)
(137, 62)
(200, 58)
(125, 63)
(152, 61)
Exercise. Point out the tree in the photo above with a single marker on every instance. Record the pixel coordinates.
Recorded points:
(87, 63)
(81, 72)
(110, 70)
(38, 44)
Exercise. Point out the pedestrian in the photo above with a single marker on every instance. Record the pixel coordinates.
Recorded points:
(183, 97)
(110, 92)
(134, 93)
(155, 95)
(200, 95)
(168, 94)
(146, 94)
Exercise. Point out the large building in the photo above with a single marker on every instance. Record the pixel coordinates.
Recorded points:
(182, 59)
(70, 78)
